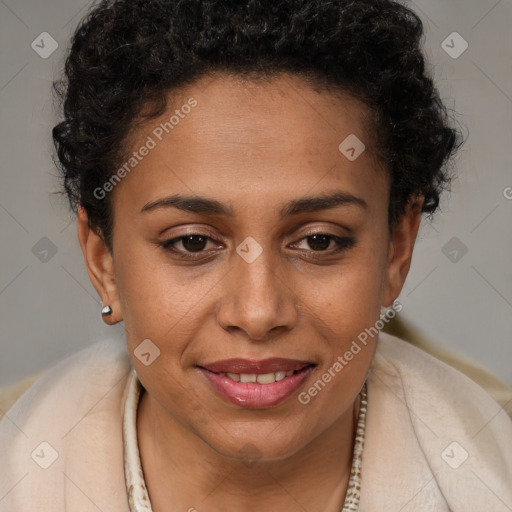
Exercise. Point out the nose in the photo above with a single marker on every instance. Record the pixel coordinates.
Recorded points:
(257, 300)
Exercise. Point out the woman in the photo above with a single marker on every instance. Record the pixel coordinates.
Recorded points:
(249, 180)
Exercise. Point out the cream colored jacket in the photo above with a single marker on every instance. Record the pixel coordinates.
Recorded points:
(435, 440)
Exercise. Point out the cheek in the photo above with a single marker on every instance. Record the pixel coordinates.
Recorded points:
(352, 299)
(156, 297)
(346, 320)
(161, 306)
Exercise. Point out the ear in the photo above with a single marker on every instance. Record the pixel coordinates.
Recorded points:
(100, 267)
(401, 248)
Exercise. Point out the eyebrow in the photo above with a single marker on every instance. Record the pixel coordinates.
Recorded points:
(198, 204)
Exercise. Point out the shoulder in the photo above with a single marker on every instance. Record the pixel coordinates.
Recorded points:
(425, 378)
(435, 389)
(75, 377)
(405, 329)
(438, 423)
(68, 422)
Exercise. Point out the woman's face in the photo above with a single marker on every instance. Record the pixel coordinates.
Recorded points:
(233, 168)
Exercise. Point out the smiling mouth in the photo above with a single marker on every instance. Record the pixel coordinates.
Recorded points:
(257, 384)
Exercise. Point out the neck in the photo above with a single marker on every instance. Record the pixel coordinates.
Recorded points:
(181, 469)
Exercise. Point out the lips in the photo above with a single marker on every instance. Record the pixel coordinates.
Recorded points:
(256, 384)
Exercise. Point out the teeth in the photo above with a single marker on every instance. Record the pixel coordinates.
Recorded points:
(247, 377)
(266, 378)
(260, 378)
(280, 375)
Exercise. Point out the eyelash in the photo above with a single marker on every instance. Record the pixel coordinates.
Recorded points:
(343, 244)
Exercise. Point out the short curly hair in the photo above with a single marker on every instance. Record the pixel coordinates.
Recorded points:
(128, 54)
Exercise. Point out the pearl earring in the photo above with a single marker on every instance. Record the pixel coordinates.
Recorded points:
(106, 310)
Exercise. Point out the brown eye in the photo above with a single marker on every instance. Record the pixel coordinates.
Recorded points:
(194, 243)
(191, 243)
(187, 245)
(319, 242)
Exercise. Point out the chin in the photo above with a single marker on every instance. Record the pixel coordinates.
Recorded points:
(255, 446)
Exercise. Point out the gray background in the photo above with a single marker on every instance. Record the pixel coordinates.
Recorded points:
(49, 309)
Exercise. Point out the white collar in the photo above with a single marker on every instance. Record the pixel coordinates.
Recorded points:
(138, 497)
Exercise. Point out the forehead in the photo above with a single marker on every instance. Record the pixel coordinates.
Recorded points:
(237, 110)
(280, 133)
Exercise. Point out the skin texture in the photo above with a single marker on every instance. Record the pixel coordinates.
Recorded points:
(253, 146)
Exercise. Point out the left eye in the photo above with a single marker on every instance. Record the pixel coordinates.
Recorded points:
(319, 242)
